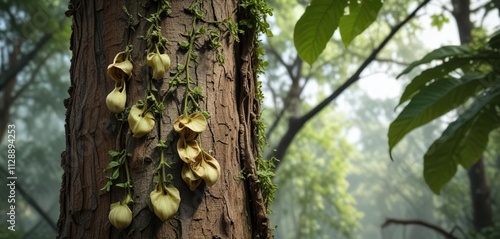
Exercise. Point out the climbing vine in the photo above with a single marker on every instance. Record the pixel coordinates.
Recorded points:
(142, 116)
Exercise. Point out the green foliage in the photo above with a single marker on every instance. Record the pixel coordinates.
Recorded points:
(320, 20)
(465, 79)
(313, 201)
(438, 20)
(361, 16)
(316, 27)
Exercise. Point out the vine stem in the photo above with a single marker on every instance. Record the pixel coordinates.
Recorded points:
(127, 173)
(186, 67)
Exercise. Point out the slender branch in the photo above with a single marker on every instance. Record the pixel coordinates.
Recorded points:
(275, 123)
(425, 224)
(25, 58)
(296, 123)
(276, 54)
(33, 76)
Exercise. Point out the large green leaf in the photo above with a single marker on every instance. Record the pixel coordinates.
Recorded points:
(433, 101)
(439, 54)
(494, 41)
(361, 15)
(463, 142)
(428, 75)
(316, 26)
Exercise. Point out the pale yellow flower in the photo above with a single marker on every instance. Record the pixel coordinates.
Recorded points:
(117, 98)
(121, 68)
(140, 123)
(194, 123)
(188, 150)
(159, 63)
(166, 203)
(207, 168)
(189, 177)
(120, 215)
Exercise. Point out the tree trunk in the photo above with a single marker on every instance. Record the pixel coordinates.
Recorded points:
(232, 208)
(479, 188)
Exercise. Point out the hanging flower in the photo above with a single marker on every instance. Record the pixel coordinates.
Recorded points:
(188, 150)
(189, 177)
(117, 98)
(140, 123)
(159, 62)
(165, 203)
(193, 123)
(120, 215)
(120, 69)
(207, 168)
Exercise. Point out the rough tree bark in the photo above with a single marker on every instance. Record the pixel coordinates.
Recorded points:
(232, 208)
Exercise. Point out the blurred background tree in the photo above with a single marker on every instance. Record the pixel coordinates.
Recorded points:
(336, 178)
(382, 189)
(34, 77)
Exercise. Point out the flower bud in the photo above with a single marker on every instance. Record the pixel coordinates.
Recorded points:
(140, 123)
(116, 99)
(165, 204)
(120, 69)
(159, 62)
(120, 215)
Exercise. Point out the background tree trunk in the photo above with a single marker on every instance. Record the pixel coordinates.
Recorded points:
(232, 208)
(479, 188)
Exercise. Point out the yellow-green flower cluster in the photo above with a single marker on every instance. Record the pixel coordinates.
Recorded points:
(198, 164)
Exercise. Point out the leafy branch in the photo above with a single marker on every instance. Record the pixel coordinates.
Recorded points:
(296, 124)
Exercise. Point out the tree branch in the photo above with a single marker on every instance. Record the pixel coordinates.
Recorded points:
(25, 58)
(296, 124)
(425, 224)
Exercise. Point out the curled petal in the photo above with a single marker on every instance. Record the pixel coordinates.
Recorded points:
(188, 150)
(207, 168)
(120, 69)
(165, 203)
(120, 215)
(140, 123)
(117, 98)
(189, 177)
(195, 122)
(159, 62)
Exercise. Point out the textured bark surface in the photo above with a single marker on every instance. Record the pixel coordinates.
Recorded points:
(225, 210)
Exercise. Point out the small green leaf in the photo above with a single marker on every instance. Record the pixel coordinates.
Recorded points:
(113, 153)
(113, 164)
(431, 102)
(316, 26)
(107, 186)
(361, 15)
(439, 54)
(115, 174)
(184, 44)
(121, 185)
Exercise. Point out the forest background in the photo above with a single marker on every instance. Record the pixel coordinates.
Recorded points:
(336, 177)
